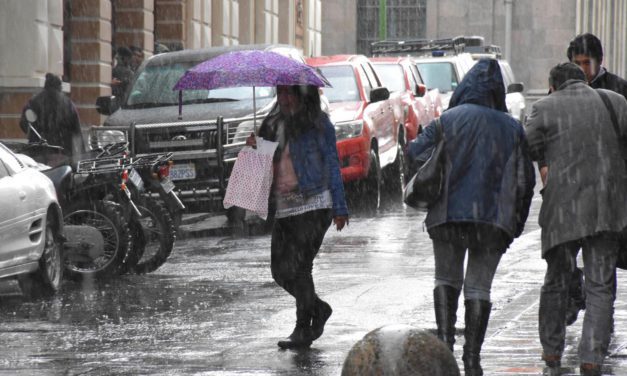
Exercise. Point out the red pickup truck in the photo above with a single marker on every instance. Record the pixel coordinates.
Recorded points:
(400, 74)
(369, 126)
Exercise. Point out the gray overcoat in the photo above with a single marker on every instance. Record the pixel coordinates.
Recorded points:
(586, 189)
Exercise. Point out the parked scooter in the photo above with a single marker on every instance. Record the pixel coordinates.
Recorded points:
(95, 212)
(147, 178)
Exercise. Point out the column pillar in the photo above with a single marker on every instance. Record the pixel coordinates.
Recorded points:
(169, 27)
(90, 70)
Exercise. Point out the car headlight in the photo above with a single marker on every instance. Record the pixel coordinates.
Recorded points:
(102, 137)
(348, 129)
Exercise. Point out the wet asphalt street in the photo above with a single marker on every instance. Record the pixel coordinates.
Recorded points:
(213, 309)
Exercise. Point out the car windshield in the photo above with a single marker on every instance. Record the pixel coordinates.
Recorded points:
(344, 84)
(153, 87)
(438, 75)
(391, 76)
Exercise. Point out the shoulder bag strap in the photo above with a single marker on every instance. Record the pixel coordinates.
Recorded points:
(439, 132)
(610, 109)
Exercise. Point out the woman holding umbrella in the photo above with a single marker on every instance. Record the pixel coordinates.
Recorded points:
(307, 196)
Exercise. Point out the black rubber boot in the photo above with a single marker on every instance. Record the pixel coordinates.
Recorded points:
(321, 314)
(301, 336)
(445, 300)
(477, 315)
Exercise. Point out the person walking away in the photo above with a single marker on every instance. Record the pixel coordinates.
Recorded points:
(583, 206)
(57, 122)
(586, 51)
(307, 195)
(122, 72)
(483, 206)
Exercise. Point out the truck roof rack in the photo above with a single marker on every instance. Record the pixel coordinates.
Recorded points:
(435, 47)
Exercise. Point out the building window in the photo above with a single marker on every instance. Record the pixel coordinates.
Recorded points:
(406, 19)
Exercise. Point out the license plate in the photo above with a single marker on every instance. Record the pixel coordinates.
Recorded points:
(186, 171)
(136, 179)
(167, 185)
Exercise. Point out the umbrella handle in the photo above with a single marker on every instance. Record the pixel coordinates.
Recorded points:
(254, 111)
(180, 104)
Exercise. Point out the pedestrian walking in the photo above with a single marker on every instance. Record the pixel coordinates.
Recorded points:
(122, 72)
(484, 202)
(57, 122)
(137, 59)
(572, 137)
(307, 195)
(586, 51)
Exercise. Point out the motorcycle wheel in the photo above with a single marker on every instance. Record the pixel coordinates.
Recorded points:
(138, 244)
(107, 218)
(159, 236)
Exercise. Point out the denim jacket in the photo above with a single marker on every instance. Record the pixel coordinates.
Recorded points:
(315, 160)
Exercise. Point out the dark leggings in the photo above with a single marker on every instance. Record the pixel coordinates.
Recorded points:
(295, 243)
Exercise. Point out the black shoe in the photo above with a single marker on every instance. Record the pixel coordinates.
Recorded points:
(322, 313)
(299, 339)
(589, 369)
(553, 365)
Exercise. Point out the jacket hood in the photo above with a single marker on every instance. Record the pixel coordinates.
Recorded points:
(482, 85)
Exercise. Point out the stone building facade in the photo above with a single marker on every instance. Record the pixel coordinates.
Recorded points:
(533, 34)
(76, 39)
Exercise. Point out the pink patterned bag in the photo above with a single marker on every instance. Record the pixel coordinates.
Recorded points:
(251, 178)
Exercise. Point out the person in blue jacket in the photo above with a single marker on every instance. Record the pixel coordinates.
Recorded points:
(483, 205)
(307, 195)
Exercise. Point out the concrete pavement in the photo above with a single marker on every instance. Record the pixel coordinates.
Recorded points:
(512, 346)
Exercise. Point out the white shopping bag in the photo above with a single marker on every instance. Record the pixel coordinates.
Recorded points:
(251, 178)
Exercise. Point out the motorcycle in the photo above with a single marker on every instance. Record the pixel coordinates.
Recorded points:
(96, 210)
(147, 179)
(115, 226)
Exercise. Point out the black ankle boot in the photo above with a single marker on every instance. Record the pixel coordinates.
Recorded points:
(321, 314)
(477, 315)
(301, 336)
(445, 303)
(299, 339)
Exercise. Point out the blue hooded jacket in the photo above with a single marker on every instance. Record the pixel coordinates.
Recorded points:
(489, 175)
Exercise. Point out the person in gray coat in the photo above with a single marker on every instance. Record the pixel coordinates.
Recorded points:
(571, 135)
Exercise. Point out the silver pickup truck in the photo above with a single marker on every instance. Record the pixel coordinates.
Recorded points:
(205, 138)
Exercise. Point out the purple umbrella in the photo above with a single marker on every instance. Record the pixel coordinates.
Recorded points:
(248, 68)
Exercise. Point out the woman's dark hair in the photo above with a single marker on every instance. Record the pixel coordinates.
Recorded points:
(585, 44)
(52, 82)
(308, 116)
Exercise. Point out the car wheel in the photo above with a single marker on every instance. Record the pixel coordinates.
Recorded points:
(371, 191)
(46, 280)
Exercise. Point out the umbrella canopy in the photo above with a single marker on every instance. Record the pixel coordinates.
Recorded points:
(249, 68)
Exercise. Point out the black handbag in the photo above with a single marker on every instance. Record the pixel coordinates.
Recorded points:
(425, 187)
(621, 261)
